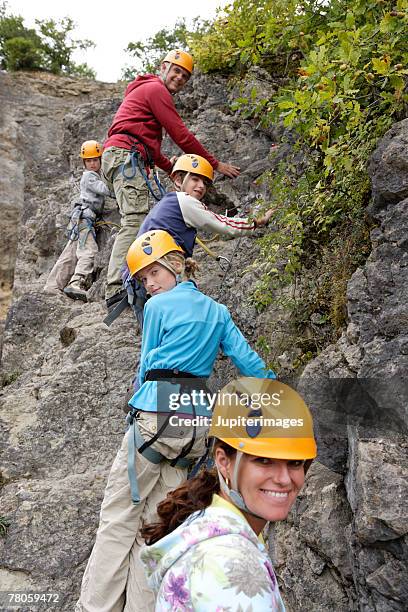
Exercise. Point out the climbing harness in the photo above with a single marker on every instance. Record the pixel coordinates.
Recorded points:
(206, 460)
(135, 297)
(136, 440)
(136, 162)
(82, 218)
(73, 225)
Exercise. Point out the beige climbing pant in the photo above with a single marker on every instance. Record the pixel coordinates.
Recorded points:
(76, 261)
(114, 579)
(132, 196)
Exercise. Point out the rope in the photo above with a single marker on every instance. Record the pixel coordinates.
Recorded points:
(208, 240)
(99, 223)
(135, 164)
(142, 171)
(228, 269)
(225, 263)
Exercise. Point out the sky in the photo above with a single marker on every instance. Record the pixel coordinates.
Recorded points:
(112, 25)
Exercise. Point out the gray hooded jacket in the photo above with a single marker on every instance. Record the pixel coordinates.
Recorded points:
(93, 191)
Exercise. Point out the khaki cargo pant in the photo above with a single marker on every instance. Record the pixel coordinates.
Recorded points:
(114, 579)
(133, 201)
(75, 261)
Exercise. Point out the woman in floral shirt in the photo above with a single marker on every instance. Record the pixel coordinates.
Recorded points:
(206, 553)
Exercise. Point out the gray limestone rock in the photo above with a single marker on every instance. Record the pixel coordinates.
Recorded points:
(388, 167)
(66, 375)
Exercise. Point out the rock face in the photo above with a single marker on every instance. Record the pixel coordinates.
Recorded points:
(364, 509)
(36, 176)
(66, 373)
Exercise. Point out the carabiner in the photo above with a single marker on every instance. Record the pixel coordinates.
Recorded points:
(224, 262)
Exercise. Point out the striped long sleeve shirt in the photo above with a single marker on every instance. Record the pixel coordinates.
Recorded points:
(182, 215)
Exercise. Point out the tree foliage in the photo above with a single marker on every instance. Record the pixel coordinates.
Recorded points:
(150, 53)
(58, 46)
(341, 67)
(48, 47)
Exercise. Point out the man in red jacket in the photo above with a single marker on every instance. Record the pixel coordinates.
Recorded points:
(147, 109)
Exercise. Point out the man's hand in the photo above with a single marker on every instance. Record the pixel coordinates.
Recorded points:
(173, 160)
(262, 221)
(228, 170)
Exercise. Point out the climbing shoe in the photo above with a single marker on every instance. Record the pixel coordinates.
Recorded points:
(75, 291)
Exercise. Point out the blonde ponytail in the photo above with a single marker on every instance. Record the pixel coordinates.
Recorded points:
(174, 260)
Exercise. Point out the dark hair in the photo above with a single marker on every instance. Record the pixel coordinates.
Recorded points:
(192, 495)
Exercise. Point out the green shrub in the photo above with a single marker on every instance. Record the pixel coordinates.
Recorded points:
(50, 47)
(341, 70)
(21, 54)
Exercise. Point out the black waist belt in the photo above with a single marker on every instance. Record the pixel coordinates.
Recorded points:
(168, 374)
(190, 382)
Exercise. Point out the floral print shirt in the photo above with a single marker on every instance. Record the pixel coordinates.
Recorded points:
(213, 562)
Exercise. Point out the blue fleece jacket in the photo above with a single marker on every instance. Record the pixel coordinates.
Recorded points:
(184, 329)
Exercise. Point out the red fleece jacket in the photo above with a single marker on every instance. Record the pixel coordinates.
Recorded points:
(147, 108)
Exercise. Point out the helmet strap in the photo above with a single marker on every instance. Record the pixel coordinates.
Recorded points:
(185, 179)
(233, 492)
(178, 277)
(164, 75)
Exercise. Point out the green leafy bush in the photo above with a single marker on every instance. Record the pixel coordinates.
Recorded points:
(151, 52)
(249, 32)
(50, 47)
(22, 54)
(341, 71)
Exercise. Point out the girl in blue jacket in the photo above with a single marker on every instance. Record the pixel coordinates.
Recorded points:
(183, 332)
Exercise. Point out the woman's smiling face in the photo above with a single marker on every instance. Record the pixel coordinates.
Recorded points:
(270, 486)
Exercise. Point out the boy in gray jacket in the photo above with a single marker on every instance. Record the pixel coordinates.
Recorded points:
(77, 259)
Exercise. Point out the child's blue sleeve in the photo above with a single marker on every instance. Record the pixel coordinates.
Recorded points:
(234, 345)
(151, 336)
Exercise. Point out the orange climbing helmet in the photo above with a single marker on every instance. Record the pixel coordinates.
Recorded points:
(90, 149)
(265, 418)
(180, 58)
(148, 248)
(194, 164)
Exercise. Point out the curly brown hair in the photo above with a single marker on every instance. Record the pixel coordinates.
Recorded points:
(194, 494)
